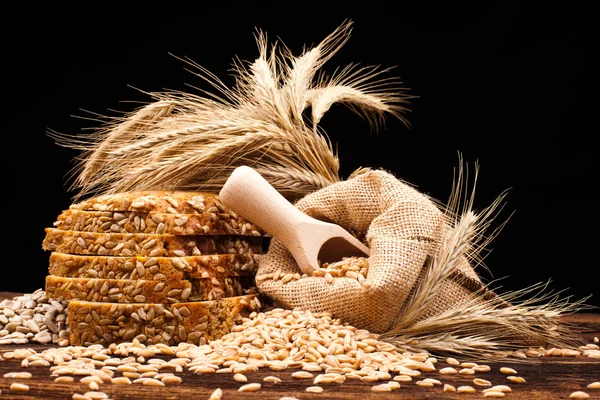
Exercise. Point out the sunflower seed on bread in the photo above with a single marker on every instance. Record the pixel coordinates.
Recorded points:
(145, 244)
(152, 268)
(150, 323)
(208, 223)
(166, 201)
(145, 291)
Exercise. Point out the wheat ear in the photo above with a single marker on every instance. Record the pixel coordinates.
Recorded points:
(188, 141)
(489, 322)
(464, 240)
(529, 317)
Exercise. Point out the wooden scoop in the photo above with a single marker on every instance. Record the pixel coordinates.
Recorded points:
(309, 240)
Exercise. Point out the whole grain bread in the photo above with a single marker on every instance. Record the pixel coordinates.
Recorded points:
(146, 291)
(152, 268)
(165, 201)
(212, 222)
(145, 244)
(190, 322)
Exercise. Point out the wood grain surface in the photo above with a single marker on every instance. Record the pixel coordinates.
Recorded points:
(547, 378)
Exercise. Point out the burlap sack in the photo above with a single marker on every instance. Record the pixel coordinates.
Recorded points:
(401, 226)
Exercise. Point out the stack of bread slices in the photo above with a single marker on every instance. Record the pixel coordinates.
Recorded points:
(156, 266)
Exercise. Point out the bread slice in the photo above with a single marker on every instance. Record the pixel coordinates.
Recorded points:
(164, 201)
(146, 291)
(192, 322)
(145, 244)
(211, 222)
(152, 268)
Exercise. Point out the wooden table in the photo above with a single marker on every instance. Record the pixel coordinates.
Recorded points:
(547, 378)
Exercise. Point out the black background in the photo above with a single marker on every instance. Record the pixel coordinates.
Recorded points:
(508, 87)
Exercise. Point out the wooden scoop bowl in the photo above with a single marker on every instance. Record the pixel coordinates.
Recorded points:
(309, 240)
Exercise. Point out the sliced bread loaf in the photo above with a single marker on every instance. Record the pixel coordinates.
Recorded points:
(167, 201)
(211, 222)
(146, 291)
(152, 268)
(146, 244)
(190, 322)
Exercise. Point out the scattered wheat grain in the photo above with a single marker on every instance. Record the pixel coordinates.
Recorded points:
(448, 371)
(94, 395)
(516, 379)
(312, 367)
(393, 385)
(449, 388)
(508, 371)
(494, 394)
(481, 382)
(427, 366)
(579, 395)
(452, 361)
(314, 389)
(240, 378)
(384, 387)
(250, 387)
(594, 385)
(424, 383)
(19, 387)
(121, 380)
(64, 379)
(216, 394)
(18, 375)
(90, 378)
(519, 354)
(152, 382)
(171, 380)
(465, 389)
(498, 388)
(302, 375)
(271, 379)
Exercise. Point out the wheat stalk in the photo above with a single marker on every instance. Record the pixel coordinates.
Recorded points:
(453, 248)
(495, 324)
(188, 141)
(465, 240)
(495, 327)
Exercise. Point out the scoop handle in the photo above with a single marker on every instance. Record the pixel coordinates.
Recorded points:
(254, 199)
